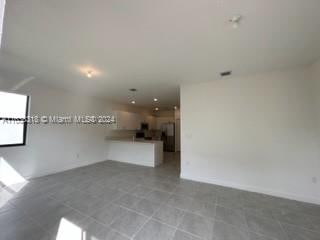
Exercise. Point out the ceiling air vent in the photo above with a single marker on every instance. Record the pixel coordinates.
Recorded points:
(226, 73)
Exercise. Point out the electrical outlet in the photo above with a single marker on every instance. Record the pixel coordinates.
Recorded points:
(314, 180)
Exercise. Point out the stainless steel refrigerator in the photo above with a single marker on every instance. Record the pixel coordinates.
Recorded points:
(168, 136)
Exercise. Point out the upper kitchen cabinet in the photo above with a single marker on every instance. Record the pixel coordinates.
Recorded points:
(127, 120)
(132, 121)
(152, 122)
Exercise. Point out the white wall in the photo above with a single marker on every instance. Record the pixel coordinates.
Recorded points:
(177, 130)
(315, 73)
(257, 133)
(52, 148)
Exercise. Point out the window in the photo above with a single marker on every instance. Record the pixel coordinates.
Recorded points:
(2, 7)
(13, 114)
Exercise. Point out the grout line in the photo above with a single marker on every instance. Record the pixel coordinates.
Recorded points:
(91, 218)
(285, 233)
(215, 214)
(135, 234)
(165, 180)
(177, 227)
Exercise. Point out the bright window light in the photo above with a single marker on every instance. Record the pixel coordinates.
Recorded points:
(2, 8)
(11, 133)
(70, 231)
(13, 109)
(11, 182)
(9, 176)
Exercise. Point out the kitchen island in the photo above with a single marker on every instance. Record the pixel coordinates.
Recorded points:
(141, 152)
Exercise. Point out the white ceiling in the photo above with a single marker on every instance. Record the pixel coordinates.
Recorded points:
(153, 45)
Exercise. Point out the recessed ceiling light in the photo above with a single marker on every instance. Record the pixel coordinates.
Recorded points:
(89, 74)
(133, 91)
(156, 109)
(235, 21)
(155, 99)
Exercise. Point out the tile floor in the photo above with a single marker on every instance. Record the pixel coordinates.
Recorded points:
(118, 201)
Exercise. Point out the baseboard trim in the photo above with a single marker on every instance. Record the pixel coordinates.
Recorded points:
(251, 189)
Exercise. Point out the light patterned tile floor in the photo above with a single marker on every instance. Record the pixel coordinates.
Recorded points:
(112, 200)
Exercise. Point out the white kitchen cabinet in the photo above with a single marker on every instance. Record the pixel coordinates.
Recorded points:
(152, 122)
(132, 121)
(127, 120)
